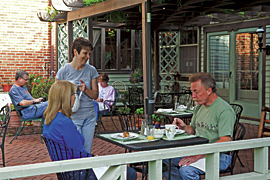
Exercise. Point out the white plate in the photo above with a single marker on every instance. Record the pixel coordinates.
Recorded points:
(179, 131)
(120, 136)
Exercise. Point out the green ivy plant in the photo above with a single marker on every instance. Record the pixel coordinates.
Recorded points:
(124, 110)
(139, 111)
(91, 2)
(158, 118)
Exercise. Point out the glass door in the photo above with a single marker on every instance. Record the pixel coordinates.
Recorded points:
(247, 72)
(234, 62)
(219, 62)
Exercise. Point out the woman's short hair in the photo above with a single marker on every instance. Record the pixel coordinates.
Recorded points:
(104, 77)
(59, 99)
(80, 43)
(20, 73)
(207, 80)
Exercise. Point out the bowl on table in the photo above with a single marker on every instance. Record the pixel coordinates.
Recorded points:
(158, 133)
(181, 108)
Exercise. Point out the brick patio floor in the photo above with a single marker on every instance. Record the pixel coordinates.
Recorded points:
(27, 149)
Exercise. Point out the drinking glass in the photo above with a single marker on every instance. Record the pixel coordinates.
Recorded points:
(150, 132)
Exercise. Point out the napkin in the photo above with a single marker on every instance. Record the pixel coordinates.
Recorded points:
(164, 110)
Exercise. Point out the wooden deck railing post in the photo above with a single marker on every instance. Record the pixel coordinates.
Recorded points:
(212, 166)
(155, 169)
(261, 160)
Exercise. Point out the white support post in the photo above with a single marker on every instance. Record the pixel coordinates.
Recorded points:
(115, 172)
(155, 169)
(212, 166)
(261, 160)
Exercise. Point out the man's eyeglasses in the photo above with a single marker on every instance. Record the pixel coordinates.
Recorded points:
(25, 79)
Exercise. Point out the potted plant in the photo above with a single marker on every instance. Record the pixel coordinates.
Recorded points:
(39, 86)
(6, 85)
(157, 119)
(140, 113)
(136, 76)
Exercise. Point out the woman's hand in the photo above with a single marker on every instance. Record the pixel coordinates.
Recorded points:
(99, 99)
(82, 86)
(179, 122)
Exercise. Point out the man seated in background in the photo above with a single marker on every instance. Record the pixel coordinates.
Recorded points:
(21, 97)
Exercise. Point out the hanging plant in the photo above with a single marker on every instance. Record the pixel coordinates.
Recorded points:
(51, 12)
(116, 17)
(91, 2)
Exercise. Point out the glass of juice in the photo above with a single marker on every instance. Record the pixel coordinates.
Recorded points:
(150, 132)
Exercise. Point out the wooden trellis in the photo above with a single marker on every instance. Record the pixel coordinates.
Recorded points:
(168, 62)
(62, 49)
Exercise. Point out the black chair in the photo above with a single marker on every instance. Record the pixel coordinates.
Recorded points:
(23, 121)
(5, 113)
(129, 121)
(238, 111)
(239, 134)
(135, 98)
(60, 152)
(107, 113)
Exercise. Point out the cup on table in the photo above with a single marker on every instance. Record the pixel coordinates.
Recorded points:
(170, 130)
(150, 132)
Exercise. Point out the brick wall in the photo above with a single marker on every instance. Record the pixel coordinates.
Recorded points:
(25, 40)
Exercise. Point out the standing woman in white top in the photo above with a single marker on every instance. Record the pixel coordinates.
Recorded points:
(85, 77)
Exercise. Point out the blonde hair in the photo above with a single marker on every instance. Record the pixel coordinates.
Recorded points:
(59, 99)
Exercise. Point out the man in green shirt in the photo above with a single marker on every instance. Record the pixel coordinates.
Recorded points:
(213, 118)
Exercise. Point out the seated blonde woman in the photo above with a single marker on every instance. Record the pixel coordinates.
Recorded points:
(58, 125)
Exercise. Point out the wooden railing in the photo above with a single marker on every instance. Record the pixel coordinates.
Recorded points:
(154, 158)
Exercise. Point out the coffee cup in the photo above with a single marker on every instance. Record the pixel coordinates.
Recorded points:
(171, 127)
(170, 130)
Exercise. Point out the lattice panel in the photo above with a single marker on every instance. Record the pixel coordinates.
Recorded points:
(62, 49)
(80, 28)
(168, 43)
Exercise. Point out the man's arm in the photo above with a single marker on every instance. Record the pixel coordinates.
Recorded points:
(180, 123)
(29, 102)
(186, 161)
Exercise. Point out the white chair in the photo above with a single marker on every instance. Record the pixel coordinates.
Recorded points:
(119, 85)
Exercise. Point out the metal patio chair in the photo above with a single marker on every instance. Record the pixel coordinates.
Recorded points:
(239, 134)
(23, 121)
(5, 113)
(107, 113)
(58, 152)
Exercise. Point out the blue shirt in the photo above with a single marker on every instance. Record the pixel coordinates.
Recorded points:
(19, 94)
(64, 131)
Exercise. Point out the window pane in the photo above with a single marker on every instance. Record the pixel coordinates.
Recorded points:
(125, 59)
(219, 60)
(110, 49)
(97, 48)
(188, 36)
(247, 61)
(188, 59)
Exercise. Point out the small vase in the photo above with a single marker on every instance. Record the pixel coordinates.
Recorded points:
(156, 124)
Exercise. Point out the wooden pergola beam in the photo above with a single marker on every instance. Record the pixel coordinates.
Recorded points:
(102, 8)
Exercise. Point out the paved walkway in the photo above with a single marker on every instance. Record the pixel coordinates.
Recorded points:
(27, 149)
